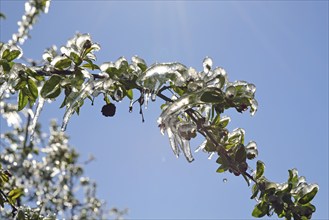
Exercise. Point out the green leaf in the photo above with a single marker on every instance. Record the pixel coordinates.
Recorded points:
(21, 84)
(178, 90)
(142, 66)
(33, 88)
(49, 88)
(255, 191)
(11, 55)
(20, 215)
(260, 210)
(22, 100)
(221, 169)
(293, 177)
(35, 75)
(224, 122)
(76, 59)
(308, 193)
(130, 94)
(260, 168)
(56, 92)
(5, 54)
(5, 65)
(63, 63)
(215, 96)
(240, 155)
(15, 193)
(90, 65)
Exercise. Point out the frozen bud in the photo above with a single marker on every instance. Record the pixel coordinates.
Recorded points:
(207, 64)
(87, 44)
(230, 92)
(193, 86)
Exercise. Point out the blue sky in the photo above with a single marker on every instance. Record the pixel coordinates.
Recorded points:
(280, 46)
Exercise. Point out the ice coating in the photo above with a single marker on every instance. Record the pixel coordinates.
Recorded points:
(182, 104)
(168, 120)
(158, 74)
(253, 107)
(201, 146)
(71, 107)
(38, 110)
(176, 141)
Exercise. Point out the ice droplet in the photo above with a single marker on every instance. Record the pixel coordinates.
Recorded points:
(224, 180)
(38, 110)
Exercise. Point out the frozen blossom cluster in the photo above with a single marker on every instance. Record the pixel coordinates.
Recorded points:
(33, 8)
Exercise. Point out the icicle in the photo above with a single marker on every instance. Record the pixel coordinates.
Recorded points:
(187, 150)
(172, 141)
(3, 88)
(202, 146)
(131, 106)
(211, 155)
(38, 110)
(71, 107)
(147, 96)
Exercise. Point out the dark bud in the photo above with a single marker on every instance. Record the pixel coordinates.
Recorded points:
(87, 44)
(108, 110)
(243, 107)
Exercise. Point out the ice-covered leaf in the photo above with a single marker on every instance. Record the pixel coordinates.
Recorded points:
(260, 168)
(130, 94)
(76, 58)
(260, 210)
(158, 74)
(12, 55)
(214, 96)
(33, 88)
(307, 193)
(51, 88)
(139, 62)
(61, 62)
(223, 122)
(22, 100)
(230, 92)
